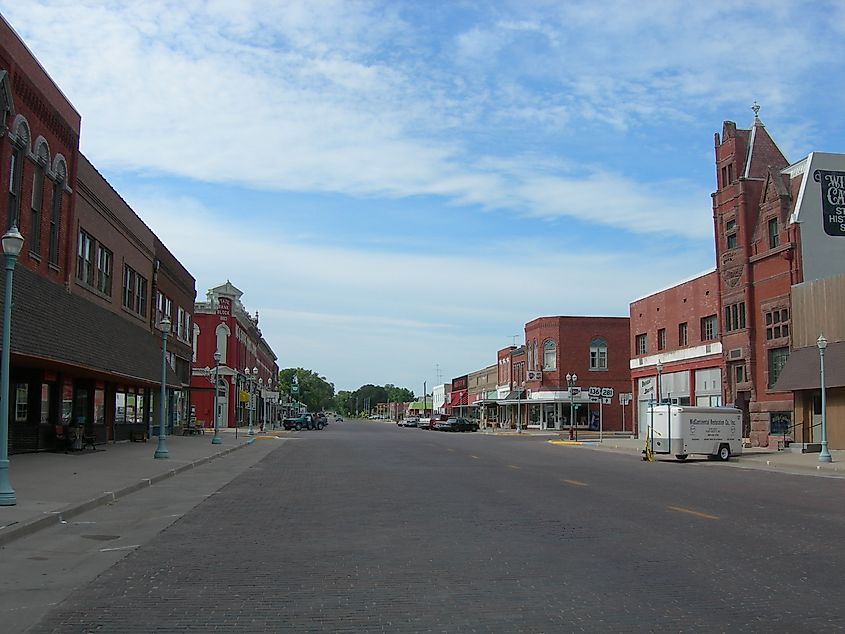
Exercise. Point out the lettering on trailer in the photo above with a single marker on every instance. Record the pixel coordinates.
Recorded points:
(833, 201)
(712, 428)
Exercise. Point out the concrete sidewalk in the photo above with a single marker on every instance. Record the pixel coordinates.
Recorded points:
(52, 487)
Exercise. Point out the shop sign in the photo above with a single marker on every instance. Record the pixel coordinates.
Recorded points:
(833, 201)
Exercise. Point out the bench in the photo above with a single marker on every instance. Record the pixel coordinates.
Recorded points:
(138, 435)
(191, 430)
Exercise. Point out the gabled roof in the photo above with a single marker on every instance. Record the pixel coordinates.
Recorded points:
(762, 152)
(227, 290)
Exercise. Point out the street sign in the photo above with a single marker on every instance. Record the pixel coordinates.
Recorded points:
(607, 392)
(607, 400)
(625, 398)
(574, 392)
(595, 391)
(595, 399)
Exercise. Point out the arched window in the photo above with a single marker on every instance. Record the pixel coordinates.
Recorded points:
(549, 355)
(20, 148)
(536, 356)
(598, 354)
(42, 162)
(222, 334)
(59, 181)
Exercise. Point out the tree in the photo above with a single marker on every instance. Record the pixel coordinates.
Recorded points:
(314, 390)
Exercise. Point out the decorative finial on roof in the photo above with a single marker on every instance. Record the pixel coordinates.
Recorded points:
(756, 109)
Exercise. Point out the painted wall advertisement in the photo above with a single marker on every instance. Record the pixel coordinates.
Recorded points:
(833, 201)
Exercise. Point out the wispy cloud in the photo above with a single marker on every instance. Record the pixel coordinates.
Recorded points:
(340, 97)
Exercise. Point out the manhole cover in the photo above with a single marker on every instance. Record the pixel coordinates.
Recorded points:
(102, 538)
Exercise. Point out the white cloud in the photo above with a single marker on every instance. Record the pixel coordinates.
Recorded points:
(336, 97)
(317, 301)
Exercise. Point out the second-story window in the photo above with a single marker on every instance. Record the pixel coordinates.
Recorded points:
(735, 317)
(134, 291)
(104, 269)
(709, 328)
(661, 339)
(85, 258)
(777, 323)
(55, 213)
(683, 335)
(598, 354)
(15, 170)
(37, 201)
(549, 355)
(642, 343)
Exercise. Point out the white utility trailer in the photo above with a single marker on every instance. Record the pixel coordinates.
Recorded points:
(683, 430)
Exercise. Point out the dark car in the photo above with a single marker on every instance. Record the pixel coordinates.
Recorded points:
(306, 421)
(460, 424)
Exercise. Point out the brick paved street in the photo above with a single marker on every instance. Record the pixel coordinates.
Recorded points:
(366, 527)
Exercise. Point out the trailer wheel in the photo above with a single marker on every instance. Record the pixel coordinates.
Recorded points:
(319, 426)
(681, 457)
(724, 453)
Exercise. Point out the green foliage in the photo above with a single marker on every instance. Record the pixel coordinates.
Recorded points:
(314, 390)
(366, 397)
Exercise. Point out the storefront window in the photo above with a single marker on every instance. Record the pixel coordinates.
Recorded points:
(21, 402)
(99, 406)
(139, 407)
(130, 408)
(120, 408)
(67, 401)
(45, 404)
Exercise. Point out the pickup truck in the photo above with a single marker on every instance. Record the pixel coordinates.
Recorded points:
(302, 421)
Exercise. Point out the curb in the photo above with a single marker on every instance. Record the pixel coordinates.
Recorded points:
(51, 518)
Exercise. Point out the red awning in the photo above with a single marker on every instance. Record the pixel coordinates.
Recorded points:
(457, 399)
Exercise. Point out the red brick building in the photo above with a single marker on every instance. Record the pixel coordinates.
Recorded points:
(222, 324)
(676, 330)
(777, 226)
(81, 355)
(595, 349)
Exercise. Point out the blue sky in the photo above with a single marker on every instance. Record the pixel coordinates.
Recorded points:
(399, 186)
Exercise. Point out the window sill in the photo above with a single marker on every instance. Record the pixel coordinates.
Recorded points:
(34, 256)
(92, 289)
(598, 369)
(132, 313)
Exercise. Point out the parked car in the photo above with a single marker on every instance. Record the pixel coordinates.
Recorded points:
(338, 418)
(411, 421)
(303, 421)
(425, 423)
(443, 425)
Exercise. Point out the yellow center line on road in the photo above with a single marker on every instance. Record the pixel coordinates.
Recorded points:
(575, 482)
(513, 466)
(681, 509)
